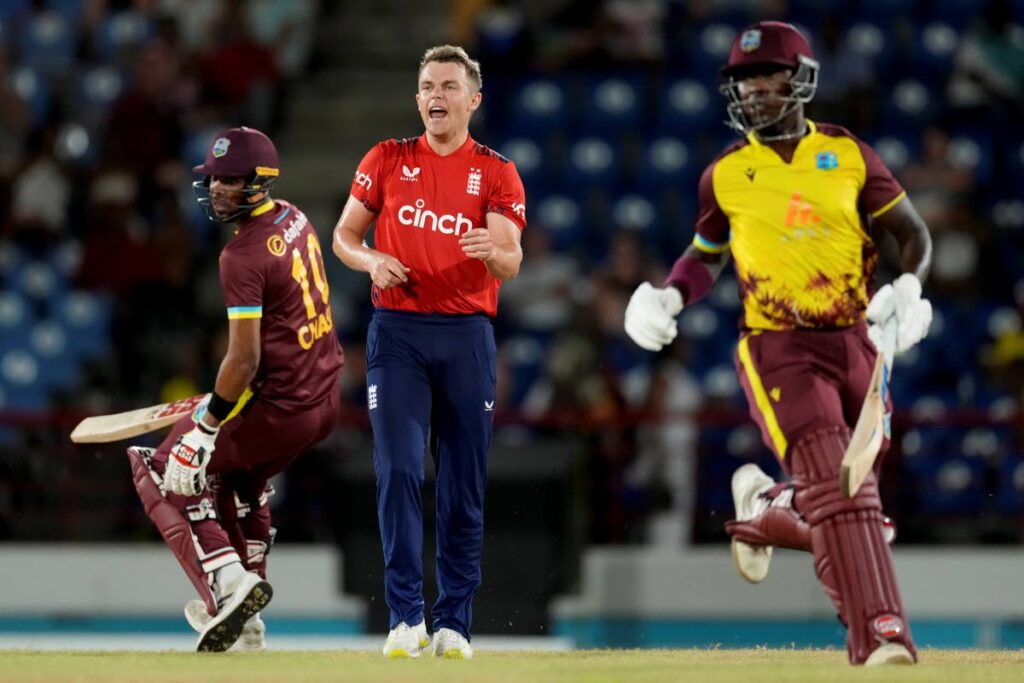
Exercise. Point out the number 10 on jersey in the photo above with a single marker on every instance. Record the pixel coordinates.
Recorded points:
(320, 324)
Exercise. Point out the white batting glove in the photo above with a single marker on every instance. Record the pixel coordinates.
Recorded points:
(185, 473)
(901, 305)
(651, 316)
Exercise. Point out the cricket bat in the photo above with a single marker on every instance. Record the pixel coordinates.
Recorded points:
(107, 428)
(871, 428)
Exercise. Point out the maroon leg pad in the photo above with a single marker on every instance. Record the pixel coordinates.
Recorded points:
(242, 504)
(172, 525)
(778, 526)
(852, 559)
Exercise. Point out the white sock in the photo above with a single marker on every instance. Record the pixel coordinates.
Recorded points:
(227, 575)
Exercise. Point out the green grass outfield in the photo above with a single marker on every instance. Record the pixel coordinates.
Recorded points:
(642, 666)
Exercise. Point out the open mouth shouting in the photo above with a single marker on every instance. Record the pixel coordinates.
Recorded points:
(437, 112)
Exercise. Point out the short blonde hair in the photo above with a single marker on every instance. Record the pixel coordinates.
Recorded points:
(454, 53)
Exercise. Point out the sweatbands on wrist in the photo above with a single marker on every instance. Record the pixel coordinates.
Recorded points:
(220, 407)
(692, 278)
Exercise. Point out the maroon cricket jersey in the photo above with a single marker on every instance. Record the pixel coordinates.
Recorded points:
(424, 203)
(273, 269)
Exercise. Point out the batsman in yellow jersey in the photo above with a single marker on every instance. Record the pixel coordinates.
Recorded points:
(799, 205)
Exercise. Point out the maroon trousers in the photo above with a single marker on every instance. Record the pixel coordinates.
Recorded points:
(805, 389)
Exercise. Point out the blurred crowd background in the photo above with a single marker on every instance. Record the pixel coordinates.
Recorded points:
(110, 298)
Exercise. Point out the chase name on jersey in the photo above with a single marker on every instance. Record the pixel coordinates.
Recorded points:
(419, 216)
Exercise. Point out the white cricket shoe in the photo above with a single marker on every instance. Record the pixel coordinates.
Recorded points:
(748, 483)
(240, 601)
(889, 653)
(451, 645)
(406, 641)
(254, 633)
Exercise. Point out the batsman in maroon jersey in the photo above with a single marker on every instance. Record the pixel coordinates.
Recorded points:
(276, 395)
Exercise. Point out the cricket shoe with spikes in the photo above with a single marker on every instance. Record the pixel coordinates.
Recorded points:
(239, 602)
(254, 633)
(406, 641)
(749, 484)
(451, 644)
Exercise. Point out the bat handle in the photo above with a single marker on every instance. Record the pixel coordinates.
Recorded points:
(888, 349)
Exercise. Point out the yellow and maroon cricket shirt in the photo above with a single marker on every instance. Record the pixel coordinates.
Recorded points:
(798, 231)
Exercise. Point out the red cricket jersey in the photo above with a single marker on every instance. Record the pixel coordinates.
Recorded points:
(424, 203)
(273, 269)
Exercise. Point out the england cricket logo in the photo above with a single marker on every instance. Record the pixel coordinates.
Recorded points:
(371, 397)
(473, 183)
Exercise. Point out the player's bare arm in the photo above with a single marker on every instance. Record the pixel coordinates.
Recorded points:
(497, 245)
(904, 223)
(240, 362)
(349, 246)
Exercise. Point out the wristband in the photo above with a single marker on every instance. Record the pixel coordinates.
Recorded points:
(219, 407)
(692, 278)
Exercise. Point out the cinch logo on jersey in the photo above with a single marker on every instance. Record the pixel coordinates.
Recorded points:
(364, 180)
(419, 216)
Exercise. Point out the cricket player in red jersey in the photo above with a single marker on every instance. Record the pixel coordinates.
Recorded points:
(449, 214)
(799, 206)
(276, 395)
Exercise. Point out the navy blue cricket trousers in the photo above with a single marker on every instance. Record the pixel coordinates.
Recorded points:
(431, 376)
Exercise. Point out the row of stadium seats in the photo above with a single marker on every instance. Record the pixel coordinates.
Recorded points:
(676, 160)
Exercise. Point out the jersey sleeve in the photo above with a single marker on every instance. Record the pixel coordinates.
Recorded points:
(712, 234)
(507, 196)
(366, 185)
(242, 281)
(881, 190)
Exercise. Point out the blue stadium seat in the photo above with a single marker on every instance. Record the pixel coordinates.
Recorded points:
(563, 217)
(711, 49)
(593, 163)
(638, 213)
(871, 41)
(98, 87)
(896, 150)
(934, 48)
(540, 106)
(528, 156)
(612, 106)
(122, 34)
(58, 369)
(1010, 498)
(11, 260)
(34, 90)
(16, 320)
(667, 163)
(86, 318)
(48, 44)
(973, 151)
(19, 374)
(39, 282)
(909, 103)
(952, 486)
(687, 104)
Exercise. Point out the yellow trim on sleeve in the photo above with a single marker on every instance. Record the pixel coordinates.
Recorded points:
(764, 404)
(709, 247)
(242, 400)
(891, 204)
(248, 315)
